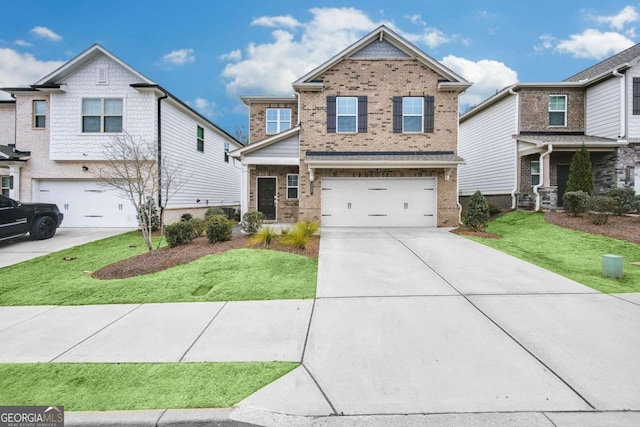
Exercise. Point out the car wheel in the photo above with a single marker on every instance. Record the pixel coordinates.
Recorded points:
(43, 228)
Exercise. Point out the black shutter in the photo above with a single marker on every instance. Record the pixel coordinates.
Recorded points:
(636, 95)
(397, 114)
(428, 113)
(331, 114)
(362, 114)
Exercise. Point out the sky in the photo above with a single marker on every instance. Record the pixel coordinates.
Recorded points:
(209, 53)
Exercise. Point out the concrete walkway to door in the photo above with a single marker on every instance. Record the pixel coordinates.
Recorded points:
(421, 321)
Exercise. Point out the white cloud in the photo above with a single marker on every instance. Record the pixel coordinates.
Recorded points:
(205, 107)
(547, 41)
(487, 76)
(179, 57)
(22, 69)
(46, 33)
(617, 22)
(594, 44)
(287, 21)
(22, 43)
(271, 67)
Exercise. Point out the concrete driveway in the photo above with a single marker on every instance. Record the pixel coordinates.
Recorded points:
(422, 321)
(23, 248)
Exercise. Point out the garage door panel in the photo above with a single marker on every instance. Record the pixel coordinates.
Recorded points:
(379, 202)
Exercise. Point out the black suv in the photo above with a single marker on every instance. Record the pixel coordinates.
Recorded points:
(40, 220)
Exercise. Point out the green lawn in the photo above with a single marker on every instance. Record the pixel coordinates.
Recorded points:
(242, 274)
(573, 254)
(105, 386)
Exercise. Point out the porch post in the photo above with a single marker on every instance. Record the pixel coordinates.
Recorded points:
(14, 171)
(244, 189)
(546, 172)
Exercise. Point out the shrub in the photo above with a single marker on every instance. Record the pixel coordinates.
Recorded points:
(149, 207)
(265, 236)
(477, 212)
(218, 229)
(251, 222)
(186, 217)
(581, 172)
(299, 235)
(600, 208)
(213, 211)
(179, 233)
(199, 226)
(575, 202)
(624, 201)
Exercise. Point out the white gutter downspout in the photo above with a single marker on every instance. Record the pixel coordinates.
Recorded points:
(623, 109)
(514, 200)
(541, 183)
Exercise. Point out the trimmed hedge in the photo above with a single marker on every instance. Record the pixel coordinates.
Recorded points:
(251, 222)
(575, 202)
(179, 233)
(218, 229)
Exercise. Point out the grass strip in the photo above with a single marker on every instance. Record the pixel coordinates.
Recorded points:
(570, 253)
(128, 386)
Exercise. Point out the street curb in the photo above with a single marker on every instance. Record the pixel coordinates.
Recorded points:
(155, 418)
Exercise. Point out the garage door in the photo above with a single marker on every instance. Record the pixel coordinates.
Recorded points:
(87, 203)
(379, 202)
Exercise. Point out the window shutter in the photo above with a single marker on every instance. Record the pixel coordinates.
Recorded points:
(397, 114)
(362, 114)
(636, 95)
(428, 114)
(331, 114)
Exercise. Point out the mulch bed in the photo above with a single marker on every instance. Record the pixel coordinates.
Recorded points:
(618, 227)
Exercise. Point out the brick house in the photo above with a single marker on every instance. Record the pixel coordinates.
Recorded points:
(519, 143)
(369, 139)
(63, 121)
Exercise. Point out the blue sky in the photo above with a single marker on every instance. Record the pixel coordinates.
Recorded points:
(208, 53)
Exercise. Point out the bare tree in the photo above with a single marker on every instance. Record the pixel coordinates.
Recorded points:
(134, 168)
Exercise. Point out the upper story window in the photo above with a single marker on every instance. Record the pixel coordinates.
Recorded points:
(226, 152)
(636, 96)
(278, 120)
(40, 114)
(101, 115)
(557, 110)
(200, 139)
(412, 115)
(346, 114)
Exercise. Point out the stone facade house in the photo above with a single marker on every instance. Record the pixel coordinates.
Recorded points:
(519, 143)
(63, 122)
(369, 139)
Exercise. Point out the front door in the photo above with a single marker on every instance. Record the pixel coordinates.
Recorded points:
(267, 197)
(563, 177)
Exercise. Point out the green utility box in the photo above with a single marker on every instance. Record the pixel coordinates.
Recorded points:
(612, 266)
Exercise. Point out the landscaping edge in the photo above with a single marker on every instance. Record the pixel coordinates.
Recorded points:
(153, 418)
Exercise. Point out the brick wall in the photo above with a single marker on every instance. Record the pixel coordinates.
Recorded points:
(7, 123)
(534, 110)
(286, 210)
(258, 119)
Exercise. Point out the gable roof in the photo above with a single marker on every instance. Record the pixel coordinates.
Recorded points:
(454, 81)
(256, 146)
(80, 61)
(613, 62)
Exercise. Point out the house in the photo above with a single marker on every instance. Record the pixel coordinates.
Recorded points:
(64, 120)
(369, 138)
(518, 144)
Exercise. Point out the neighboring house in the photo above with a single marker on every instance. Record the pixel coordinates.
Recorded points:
(65, 119)
(11, 160)
(369, 139)
(519, 143)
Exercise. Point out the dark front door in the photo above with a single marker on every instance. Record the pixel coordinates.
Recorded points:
(563, 177)
(267, 197)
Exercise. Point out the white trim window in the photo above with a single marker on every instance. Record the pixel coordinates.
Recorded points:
(412, 114)
(5, 185)
(226, 152)
(278, 120)
(102, 115)
(39, 114)
(292, 186)
(535, 172)
(200, 139)
(346, 114)
(558, 110)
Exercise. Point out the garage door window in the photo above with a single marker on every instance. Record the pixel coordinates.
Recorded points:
(101, 115)
(292, 186)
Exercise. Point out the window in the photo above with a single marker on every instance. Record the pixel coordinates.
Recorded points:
(412, 114)
(226, 152)
(636, 96)
(278, 120)
(6, 183)
(535, 172)
(557, 110)
(346, 114)
(200, 140)
(292, 186)
(40, 114)
(101, 115)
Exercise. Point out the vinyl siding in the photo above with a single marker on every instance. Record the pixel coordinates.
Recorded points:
(289, 148)
(488, 149)
(206, 176)
(603, 109)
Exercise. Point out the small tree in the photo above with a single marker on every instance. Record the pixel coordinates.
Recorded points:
(581, 172)
(477, 212)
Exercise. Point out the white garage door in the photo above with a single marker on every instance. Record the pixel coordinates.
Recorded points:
(379, 202)
(87, 203)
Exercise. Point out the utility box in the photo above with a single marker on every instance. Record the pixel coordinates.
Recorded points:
(612, 266)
